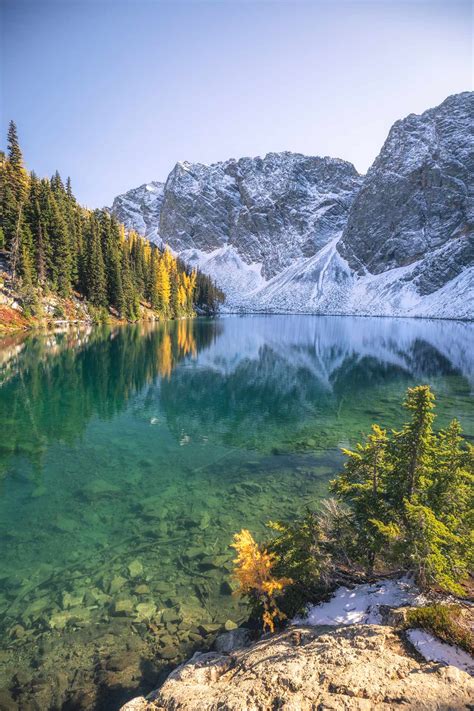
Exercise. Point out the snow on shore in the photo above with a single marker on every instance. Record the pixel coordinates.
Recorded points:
(434, 650)
(361, 605)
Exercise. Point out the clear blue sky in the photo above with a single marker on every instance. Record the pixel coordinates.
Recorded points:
(114, 92)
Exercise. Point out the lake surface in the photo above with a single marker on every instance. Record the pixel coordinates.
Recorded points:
(129, 457)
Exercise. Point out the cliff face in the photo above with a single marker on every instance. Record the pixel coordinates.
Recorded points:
(416, 202)
(270, 210)
(291, 233)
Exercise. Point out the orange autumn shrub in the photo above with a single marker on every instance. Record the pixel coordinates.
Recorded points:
(253, 570)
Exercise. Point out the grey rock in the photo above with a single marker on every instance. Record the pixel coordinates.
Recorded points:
(235, 639)
(418, 195)
(271, 210)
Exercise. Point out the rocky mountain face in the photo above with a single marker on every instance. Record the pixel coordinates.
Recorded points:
(291, 233)
(139, 209)
(270, 210)
(417, 198)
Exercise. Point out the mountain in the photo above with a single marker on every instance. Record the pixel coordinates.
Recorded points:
(291, 233)
(139, 209)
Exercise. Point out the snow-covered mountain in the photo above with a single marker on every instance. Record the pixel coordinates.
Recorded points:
(291, 233)
(139, 209)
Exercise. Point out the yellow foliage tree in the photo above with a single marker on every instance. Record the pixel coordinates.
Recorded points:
(163, 285)
(253, 571)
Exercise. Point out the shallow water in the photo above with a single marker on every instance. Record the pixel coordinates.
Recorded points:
(129, 457)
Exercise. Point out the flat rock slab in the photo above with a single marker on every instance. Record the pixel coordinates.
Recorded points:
(362, 667)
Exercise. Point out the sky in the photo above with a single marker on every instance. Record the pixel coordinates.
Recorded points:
(115, 92)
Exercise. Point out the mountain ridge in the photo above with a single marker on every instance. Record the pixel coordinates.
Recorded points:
(295, 233)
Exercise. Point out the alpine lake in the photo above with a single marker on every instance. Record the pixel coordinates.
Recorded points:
(130, 456)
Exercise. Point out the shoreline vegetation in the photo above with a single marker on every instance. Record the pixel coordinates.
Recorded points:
(402, 505)
(60, 261)
(390, 555)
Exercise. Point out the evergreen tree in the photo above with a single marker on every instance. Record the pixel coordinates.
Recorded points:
(17, 174)
(61, 248)
(412, 447)
(54, 244)
(411, 497)
(363, 485)
(95, 278)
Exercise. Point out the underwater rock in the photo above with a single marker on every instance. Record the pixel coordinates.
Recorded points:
(166, 639)
(59, 620)
(135, 569)
(230, 625)
(123, 607)
(121, 661)
(169, 652)
(204, 521)
(194, 552)
(98, 488)
(228, 587)
(142, 590)
(72, 600)
(210, 562)
(116, 584)
(161, 588)
(252, 487)
(7, 703)
(170, 615)
(36, 608)
(100, 598)
(64, 524)
(16, 632)
(146, 610)
(209, 627)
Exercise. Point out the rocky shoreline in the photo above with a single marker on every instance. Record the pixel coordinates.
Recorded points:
(357, 667)
(349, 662)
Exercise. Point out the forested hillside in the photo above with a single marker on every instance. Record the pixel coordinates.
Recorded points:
(55, 245)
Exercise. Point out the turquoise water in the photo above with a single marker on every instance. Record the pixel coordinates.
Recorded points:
(129, 457)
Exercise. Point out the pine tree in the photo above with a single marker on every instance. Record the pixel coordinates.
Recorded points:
(112, 256)
(18, 176)
(411, 496)
(96, 284)
(363, 485)
(412, 446)
(435, 553)
(130, 300)
(62, 258)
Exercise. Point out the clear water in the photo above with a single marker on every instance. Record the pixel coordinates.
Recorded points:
(129, 457)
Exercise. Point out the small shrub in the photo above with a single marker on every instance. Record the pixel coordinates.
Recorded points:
(253, 569)
(445, 622)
